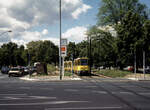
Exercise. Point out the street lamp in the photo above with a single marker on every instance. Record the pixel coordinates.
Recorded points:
(5, 32)
(60, 63)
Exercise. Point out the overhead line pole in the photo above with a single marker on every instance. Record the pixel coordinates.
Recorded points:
(60, 65)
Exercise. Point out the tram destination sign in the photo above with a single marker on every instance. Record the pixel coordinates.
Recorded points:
(63, 42)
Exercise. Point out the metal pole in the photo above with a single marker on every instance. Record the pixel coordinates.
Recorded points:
(60, 67)
(63, 66)
(5, 32)
(144, 63)
(135, 63)
(90, 56)
(72, 69)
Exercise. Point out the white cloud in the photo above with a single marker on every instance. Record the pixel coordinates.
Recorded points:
(28, 36)
(110, 29)
(76, 34)
(35, 12)
(45, 32)
(21, 15)
(54, 40)
(78, 11)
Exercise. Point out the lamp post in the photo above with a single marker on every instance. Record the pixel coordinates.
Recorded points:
(5, 32)
(60, 63)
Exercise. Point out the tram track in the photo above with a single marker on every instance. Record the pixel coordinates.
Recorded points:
(131, 91)
(138, 85)
(129, 105)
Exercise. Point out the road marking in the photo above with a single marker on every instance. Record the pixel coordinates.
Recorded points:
(100, 92)
(125, 92)
(27, 98)
(14, 94)
(145, 93)
(76, 79)
(43, 103)
(71, 90)
(1, 77)
(85, 108)
(91, 86)
(42, 97)
(25, 87)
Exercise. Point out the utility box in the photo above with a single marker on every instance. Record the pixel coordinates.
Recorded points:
(41, 68)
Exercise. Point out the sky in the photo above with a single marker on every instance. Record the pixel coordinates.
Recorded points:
(33, 20)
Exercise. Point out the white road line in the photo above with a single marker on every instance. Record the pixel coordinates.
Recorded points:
(14, 94)
(1, 77)
(25, 87)
(71, 90)
(27, 98)
(100, 92)
(86, 108)
(91, 86)
(125, 92)
(145, 93)
(42, 103)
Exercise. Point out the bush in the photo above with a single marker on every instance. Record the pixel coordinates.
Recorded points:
(51, 68)
(113, 73)
(67, 73)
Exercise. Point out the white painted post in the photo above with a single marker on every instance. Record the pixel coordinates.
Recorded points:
(63, 67)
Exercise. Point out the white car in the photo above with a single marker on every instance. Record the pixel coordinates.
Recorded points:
(16, 71)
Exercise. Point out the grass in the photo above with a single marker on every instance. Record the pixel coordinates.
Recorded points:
(113, 73)
(51, 68)
(67, 73)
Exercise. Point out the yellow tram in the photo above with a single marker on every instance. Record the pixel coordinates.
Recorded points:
(80, 66)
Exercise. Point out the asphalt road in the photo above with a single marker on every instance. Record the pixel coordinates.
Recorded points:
(87, 94)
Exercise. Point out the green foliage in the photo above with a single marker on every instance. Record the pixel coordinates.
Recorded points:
(12, 54)
(129, 38)
(43, 51)
(103, 47)
(67, 73)
(113, 73)
(112, 11)
(38, 51)
(82, 49)
(71, 51)
(146, 35)
(51, 68)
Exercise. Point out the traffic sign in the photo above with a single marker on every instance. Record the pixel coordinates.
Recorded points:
(63, 51)
(63, 41)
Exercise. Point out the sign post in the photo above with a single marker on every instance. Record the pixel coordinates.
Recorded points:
(63, 52)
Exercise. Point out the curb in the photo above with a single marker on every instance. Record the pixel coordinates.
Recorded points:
(138, 79)
(49, 79)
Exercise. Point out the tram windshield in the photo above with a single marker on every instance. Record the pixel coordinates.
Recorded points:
(84, 62)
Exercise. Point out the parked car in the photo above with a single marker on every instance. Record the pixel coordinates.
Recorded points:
(33, 69)
(26, 70)
(147, 69)
(130, 68)
(5, 69)
(16, 71)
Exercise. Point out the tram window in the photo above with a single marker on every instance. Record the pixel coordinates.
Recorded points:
(84, 62)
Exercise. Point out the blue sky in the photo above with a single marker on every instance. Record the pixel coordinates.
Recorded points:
(39, 19)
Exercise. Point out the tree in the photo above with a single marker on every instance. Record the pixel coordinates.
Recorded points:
(112, 11)
(12, 54)
(71, 51)
(82, 49)
(146, 40)
(43, 51)
(129, 38)
(103, 47)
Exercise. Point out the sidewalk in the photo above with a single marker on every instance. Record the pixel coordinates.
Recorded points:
(139, 77)
(49, 78)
